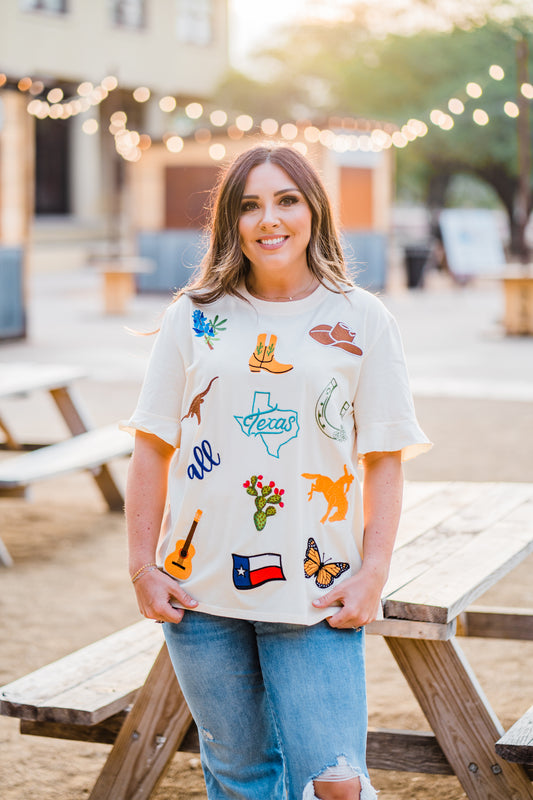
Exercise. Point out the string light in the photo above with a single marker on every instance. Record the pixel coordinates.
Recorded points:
(174, 144)
(85, 88)
(312, 134)
(217, 152)
(496, 72)
(511, 109)
(194, 110)
(244, 122)
(145, 141)
(399, 140)
(218, 118)
(110, 83)
(474, 89)
(326, 137)
(480, 117)
(167, 104)
(141, 94)
(55, 95)
(301, 147)
(455, 105)
(234, 133)
(341, 134)
(90, 126)
(289, 131)
(269, 126)
(24, 84)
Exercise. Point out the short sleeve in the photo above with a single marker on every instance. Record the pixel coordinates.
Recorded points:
(383, 404)
(159, 405)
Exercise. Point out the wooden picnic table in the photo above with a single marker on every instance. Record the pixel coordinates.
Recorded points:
(455, 541)
(88, 448)
(23, 378)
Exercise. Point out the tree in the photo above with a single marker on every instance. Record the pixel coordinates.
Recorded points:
(351, 69)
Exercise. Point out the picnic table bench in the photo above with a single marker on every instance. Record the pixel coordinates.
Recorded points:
(91, 451)
(517, 743)
(88, 448)
(455, 541)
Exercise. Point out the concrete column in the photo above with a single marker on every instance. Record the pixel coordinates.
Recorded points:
(17, 153)
(85, 171)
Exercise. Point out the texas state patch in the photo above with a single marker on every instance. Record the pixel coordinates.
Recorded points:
(275, 426)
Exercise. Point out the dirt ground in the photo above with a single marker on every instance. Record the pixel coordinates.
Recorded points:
(69, 586)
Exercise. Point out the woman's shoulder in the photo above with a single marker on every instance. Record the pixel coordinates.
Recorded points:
(363, 301)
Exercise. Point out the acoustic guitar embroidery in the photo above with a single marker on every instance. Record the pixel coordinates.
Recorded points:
(194, 408)
(334, 492)
(324, 572)
(326, 426)
(179, 562)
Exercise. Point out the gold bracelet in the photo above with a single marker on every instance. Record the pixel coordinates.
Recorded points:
(141, 569)
(148, 569)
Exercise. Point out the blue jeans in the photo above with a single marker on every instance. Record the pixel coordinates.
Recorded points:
(276, 705)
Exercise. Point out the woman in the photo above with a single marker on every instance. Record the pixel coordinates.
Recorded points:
(271, 378)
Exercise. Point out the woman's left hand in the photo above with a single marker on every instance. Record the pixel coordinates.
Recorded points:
(360, 598)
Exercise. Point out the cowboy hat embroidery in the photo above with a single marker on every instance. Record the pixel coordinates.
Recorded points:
(338, 335)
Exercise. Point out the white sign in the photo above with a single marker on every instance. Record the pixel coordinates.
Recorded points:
(472, 241)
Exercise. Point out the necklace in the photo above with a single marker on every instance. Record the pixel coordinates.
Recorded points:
(289, 298)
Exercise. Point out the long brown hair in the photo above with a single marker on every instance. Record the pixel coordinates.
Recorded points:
(225, 266)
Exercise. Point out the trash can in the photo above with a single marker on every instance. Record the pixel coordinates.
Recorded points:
(416, 257)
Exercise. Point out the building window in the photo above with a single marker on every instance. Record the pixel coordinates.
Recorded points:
(53, 6)
(128, 13)
(194, 21)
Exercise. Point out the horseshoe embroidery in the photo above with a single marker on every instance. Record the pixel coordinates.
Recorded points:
(322, 421)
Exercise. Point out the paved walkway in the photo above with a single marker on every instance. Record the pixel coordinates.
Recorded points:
(453, 337)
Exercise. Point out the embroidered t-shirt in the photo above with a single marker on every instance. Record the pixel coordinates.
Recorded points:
(270, 407)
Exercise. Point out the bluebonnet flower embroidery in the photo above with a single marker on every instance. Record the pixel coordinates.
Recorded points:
(206, 327)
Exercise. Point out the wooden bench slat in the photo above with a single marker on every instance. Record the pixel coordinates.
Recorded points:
(517, 743)
(90, 684)
(496, 623)
(85, 451)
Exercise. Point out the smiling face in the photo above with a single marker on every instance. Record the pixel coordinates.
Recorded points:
(274, 223)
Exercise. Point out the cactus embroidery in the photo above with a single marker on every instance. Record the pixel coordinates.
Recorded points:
(208, 328)
(266, 497)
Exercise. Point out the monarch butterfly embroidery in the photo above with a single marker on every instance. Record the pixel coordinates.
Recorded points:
(323, 572)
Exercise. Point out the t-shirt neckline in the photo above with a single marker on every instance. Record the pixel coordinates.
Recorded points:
(287, 307)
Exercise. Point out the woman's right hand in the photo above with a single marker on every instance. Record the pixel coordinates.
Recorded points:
(155, 591)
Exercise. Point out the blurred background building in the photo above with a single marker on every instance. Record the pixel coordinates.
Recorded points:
(79, 63)
(116, 115)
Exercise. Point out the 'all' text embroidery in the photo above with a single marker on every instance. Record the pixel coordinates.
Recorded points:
(204, 461)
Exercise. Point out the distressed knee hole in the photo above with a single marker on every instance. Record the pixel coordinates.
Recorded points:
(342, 770)
(207, 735)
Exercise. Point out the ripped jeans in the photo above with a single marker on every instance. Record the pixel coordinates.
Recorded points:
(276, 705)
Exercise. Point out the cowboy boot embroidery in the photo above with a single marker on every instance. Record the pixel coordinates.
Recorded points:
(263, 356)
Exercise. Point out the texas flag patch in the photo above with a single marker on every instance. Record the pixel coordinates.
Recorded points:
(252, 571)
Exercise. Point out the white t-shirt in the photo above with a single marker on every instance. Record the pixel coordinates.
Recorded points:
(270, 406)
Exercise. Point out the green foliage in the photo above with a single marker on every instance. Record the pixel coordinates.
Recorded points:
(348, 69)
